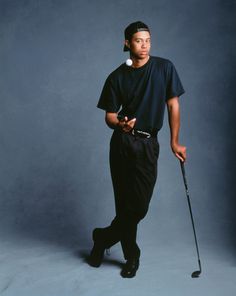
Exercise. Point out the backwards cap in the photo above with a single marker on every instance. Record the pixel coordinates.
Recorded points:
(132, 29)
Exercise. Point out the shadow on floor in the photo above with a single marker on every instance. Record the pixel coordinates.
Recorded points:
(84, 254)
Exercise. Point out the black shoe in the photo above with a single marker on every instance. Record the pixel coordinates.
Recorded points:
(97, 253)
(130, 268)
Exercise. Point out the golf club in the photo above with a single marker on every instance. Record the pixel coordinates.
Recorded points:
(196, 273)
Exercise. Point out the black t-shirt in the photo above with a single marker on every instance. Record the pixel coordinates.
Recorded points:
(142, 92)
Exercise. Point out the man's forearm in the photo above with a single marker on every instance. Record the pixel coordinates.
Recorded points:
(112, 120)
(174, 120)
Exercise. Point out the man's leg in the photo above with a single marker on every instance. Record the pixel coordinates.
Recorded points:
(106, 237)
(133, 164)
(134, 169)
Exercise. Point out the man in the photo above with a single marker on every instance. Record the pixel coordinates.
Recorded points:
(134, 98)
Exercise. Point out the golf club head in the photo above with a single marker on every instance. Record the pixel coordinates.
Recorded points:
(196, 274)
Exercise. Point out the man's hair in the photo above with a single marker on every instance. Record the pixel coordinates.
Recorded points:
(132, 29)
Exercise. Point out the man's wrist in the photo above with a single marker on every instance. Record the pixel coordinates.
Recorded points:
(174, 144)
(118, 126)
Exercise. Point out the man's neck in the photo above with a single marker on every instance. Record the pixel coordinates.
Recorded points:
(137, 63)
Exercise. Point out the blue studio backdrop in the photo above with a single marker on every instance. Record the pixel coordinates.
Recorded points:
(54, 173)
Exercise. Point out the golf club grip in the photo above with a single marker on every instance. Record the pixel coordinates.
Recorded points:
(184, 174)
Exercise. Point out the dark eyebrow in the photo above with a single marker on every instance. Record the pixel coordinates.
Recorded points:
(138, 38)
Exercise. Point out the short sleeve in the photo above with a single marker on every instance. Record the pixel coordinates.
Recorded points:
(174, 85)
(109, 100)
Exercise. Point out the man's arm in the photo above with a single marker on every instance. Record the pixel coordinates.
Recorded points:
(113, 122)
(174, 123)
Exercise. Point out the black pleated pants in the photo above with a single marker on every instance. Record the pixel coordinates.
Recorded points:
(133, 165)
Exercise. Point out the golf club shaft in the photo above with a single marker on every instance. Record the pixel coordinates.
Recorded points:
(190, 210)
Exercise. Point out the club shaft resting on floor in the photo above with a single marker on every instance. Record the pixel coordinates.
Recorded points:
(191, 214)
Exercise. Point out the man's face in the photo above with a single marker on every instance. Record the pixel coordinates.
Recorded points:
(140, 44)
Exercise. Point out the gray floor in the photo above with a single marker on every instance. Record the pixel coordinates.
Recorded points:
(31, 266)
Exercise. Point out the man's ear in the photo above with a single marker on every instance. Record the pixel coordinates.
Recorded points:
(127, 44)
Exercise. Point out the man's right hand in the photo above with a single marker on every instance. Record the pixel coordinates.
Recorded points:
(126, 125)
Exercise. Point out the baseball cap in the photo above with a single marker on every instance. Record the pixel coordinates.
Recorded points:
(132, 29)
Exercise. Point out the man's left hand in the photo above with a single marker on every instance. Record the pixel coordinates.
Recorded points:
(179, 151)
